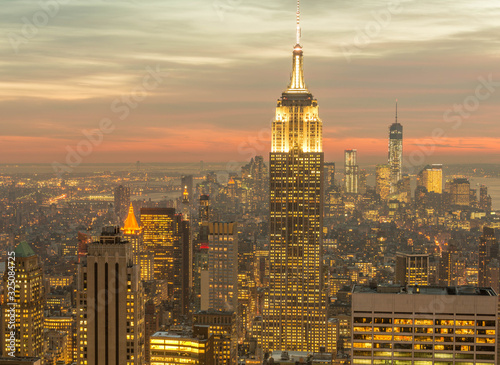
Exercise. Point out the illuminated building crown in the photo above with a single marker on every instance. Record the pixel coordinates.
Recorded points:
(131, 226)
(297, 124)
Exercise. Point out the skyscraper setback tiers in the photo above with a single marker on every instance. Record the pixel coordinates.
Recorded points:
(294, 305)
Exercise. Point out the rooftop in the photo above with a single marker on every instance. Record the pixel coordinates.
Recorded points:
(24, 249)
(294, 357)
(131, 226)
(425, 290)
(166, 334)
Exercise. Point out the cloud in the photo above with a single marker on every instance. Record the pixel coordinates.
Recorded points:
(225, 74)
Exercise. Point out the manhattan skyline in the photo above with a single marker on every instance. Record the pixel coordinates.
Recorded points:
(221, 63)
(179, 206)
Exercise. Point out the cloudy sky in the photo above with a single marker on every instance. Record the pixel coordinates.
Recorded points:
(66, 65)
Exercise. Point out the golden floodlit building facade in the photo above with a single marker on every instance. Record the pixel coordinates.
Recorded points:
(294, 317)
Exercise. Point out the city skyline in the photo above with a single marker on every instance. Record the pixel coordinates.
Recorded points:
(120, 251)
(71, 88)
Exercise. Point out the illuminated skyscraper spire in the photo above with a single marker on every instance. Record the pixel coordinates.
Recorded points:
(297, 84)
(396, 111)
(396, 151)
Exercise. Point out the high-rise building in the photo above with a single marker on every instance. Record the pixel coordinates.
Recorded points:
(110, 304)
(183, 273)
(294, 314)
(171, 348)
(83, 243)
(67, 325)
(460, 192)
(424, 325)
(122, 202)
(329, 175)
(395, 152)
(132, 233)
(362, 181)
(204, 209)
(167, 235)
(222, 326)
(159, 234)
(56, 346)
(412, 269)
(22, 304)
(254, 180)
(431, 177)
(404, 189)
(187, 185)
(493, 275)
(152, 325)
(200, 255)
(146, 264)
(223, 266)
(447, 271)
(488, 250)
(351, 171)
(484, 199)
(383, 181)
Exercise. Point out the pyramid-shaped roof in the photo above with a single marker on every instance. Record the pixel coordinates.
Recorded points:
(131, 225)
(24, 249)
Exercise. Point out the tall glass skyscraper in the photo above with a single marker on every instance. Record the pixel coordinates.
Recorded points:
(294, 307)
(395, 151)
(351, 171)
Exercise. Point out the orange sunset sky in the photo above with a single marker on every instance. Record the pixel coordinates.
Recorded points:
(224, 63)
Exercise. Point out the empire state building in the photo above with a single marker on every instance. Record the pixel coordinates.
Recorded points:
(294, 306)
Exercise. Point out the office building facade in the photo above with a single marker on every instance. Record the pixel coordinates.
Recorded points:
(424, 325)
(412, 269)
(110, 304)
(223, 266)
